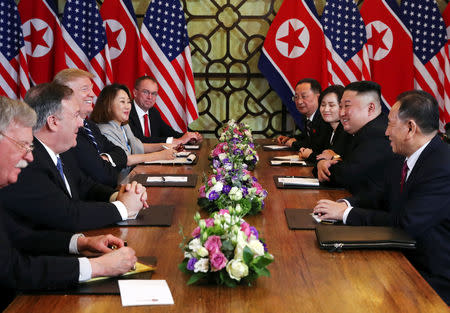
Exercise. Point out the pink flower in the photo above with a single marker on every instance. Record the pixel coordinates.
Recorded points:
(213, 244)
(209, 222)
(223, 211)
(217, 261)
(196, 232)
(245, 227)
(201, 191)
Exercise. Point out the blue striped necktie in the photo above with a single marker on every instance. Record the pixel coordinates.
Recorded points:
(59, 166)
(90, 135)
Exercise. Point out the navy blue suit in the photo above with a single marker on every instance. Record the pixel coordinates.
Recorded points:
(89, 159)
(40, 197)
(159, 130)
(422, 209)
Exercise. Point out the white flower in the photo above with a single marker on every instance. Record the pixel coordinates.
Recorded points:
(187, 255)
(235, 194)
(202, 252)
(222, 156)
(257, 247)
(195, 244)
(236, 269)
(217, 187)
(238, 208)
(202, 265)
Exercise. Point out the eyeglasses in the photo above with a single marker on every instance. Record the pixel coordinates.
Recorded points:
(148, 92)
(296, 97)
(26, 147)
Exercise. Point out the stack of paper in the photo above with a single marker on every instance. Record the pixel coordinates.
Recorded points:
(164, 179)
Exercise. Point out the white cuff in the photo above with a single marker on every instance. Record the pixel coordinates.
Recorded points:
(122, 209)
(169, 140)
(73, 245)
(109, 159)
(347, 210)
(85, 269)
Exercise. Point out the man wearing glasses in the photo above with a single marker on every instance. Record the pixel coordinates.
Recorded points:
(28, 258)
(145, 120)
(306, 100)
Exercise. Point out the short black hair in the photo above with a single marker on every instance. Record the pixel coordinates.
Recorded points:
(420, 106)
(315, 86)
(338, 90)
(364, 86)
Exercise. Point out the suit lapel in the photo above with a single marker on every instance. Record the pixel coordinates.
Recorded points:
(41, 155)
(134, 119)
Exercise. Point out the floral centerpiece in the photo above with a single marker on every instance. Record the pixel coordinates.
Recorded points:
(226, 250)
(240, 132)
(234, 187)
(225, 154)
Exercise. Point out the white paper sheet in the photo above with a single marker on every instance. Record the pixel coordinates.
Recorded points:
(172, 179)
(281, 162)
(144, 292)
(276, 147)
(293, 157)
(300, 181)
(192, 147)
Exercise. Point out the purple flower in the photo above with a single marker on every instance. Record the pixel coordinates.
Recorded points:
(213, 195)
(238, 151)
(216, 163)
(251, 145)
(235, 177)
(191, 263)
(244, 191)
(196, 232)
(254, 178)
(262, 204)
(265, 246)
(254, 231)
(226, 189)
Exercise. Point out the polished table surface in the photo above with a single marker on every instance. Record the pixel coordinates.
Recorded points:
(303, 277)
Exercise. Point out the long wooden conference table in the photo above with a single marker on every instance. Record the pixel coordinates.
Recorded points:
(303, 277)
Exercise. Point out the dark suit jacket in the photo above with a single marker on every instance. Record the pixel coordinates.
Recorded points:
(339, 144)
(40, 198)
(159, 130)
(365, 158)
(90, 161)
(422, 209)
(320, 134)
(22, 271)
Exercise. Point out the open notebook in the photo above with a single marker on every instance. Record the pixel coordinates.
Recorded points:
(190, 159)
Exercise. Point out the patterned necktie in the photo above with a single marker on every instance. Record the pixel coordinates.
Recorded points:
(308, 127)
(404, 172)
(90, 135)
(59, 166)
(146, 128)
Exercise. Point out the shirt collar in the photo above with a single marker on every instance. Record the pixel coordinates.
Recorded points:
(50, 152)
(412, 159)
(312, 116)
(139, 111)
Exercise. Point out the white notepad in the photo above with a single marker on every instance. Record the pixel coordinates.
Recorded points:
(144, 292)
(276, 147)
(192, 147)
(186, 160)
(299, 181)
(281, 162)
(158, 179)
(293, 157)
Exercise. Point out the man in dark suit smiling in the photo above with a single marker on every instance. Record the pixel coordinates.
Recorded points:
(416, 190)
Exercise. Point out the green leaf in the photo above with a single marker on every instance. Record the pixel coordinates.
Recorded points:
(262, 272)
(227, 245)
(248, 255)
(182, 266)
(261, 261)
(195, 278)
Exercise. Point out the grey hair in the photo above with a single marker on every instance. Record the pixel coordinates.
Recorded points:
(46, 100)
(15, 111)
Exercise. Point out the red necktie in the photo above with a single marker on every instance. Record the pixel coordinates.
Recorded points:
(146, 128)
(404, 172)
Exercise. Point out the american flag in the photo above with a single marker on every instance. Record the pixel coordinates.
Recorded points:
(345, 39)
(432, 69)
(14, 81)
(166, 52)
(85, 37)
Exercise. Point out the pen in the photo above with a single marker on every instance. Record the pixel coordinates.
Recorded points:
(165, 147)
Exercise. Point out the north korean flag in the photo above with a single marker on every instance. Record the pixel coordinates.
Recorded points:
(124, 42)
(44, 43)
(390, 48)
(294, 49)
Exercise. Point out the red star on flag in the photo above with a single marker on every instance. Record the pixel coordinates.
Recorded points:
(36, 37)
(377, 40)
(112, 37)
(292, 38)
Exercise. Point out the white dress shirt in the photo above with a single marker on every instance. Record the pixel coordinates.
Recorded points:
(141, 114)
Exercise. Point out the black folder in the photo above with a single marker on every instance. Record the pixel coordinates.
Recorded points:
(335, 238)
(300, 219)
(101, 287)
(142, 179)
(156, 215)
